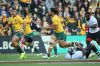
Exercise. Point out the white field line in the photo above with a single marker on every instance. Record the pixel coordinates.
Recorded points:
(51, 62)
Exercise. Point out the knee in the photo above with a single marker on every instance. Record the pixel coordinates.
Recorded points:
(15, 42)
(62, 46)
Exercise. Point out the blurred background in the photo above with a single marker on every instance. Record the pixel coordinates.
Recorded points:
(71, 13)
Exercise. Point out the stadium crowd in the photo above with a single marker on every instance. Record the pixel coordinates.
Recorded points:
(70, 12)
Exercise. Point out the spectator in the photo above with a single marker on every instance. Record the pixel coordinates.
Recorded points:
(93, 5)
(40, 12)
(16, 5)
(25, 11)
(25, 3)
(4, 21)
(67, 12)
(4, 8)
(49, 19)
(45, 23)
(86, 6)
(82, 14)
(78, 22)
(34, 4)
(72, 26)
(49, 4)
(34, 17)
(66, 31)
(74, 10)
(61, 19)
(78, 4)
(41, 8)
(83, 32)
(36, 25)
(3, 18)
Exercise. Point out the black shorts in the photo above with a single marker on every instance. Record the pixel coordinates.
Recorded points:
(94, 36)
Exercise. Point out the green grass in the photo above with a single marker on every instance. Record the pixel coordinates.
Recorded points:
(14, 57)
(79, 64)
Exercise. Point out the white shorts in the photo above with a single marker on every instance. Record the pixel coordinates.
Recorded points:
(76, 56)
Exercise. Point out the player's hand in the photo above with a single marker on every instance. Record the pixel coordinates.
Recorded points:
(44, 28)
(42, 31)
(75, 44)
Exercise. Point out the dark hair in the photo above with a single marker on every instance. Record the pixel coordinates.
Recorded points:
(87, 13)
(3, 5)
(13, 8)
(54, 10)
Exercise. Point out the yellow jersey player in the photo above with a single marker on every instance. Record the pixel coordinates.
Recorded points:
(28, 32)
(58, 36)
(17, 23)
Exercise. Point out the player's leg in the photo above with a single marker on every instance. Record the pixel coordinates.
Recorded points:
(28, 40)
(89, 38)
(98, 37)
(61, 39)
(52, 44)
(91, 45)
(35, 33)
(98, 53)
(88, 48)
(64, 44)
(16, 44)
(98, 41)
(55, 51)
(95, 50)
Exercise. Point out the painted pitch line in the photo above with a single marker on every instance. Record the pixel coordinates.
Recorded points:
(55, 61)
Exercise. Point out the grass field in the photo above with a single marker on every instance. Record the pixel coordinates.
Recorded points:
(13, 58)
(74, 64)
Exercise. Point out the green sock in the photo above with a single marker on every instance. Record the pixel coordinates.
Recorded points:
(19, 50)
(48, 54)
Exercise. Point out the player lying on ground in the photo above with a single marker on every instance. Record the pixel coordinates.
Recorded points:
(80, 53)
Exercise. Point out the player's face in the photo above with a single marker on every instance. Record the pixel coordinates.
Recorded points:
(14, 12)
(87, 17)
